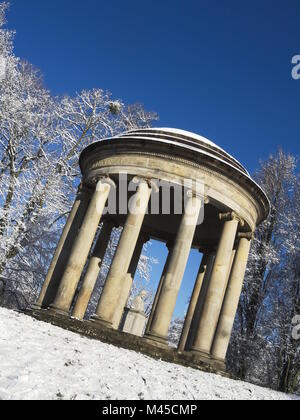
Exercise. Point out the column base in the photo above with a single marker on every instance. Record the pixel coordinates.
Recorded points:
(199, 357)
(220, 364)
(102, 323)
(36, 307)
(200, 353)
(156, 339)
(53, 310)
(120, 339)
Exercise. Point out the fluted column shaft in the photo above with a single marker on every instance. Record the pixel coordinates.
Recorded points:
(62, 252)
(92, 272)
(81, 248)
(232, 297)
(109, 300)
(174, 275)
(214, 300)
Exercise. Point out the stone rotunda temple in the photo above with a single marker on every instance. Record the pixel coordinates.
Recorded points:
(219, 219)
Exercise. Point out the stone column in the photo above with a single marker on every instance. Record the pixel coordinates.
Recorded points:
(123, 299)
(193, 303)
(160, 285)
(92, 272)
(62, 253)
(128, 280)
(229, 270)
(168, 295)
(82, 247)
(214, 300)
(201, 300)
(137, 255)
(232, 297)
(109, 300)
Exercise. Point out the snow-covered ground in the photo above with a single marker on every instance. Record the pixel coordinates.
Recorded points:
(40, 361)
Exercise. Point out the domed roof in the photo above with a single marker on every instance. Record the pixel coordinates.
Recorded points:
(188, 140)
(186, 133)
(183, 145)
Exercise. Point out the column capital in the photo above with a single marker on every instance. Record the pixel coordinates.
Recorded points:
(196, 194)
(140, 180)
(227, 217)
(246, 235)
(105, 180)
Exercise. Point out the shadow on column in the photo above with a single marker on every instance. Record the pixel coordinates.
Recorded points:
(199, 306)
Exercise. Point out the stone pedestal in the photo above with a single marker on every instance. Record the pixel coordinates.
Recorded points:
(134, 322)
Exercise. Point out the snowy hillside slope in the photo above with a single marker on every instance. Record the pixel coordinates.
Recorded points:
(40, 361)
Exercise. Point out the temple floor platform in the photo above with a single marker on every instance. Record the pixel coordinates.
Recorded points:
(155, 350)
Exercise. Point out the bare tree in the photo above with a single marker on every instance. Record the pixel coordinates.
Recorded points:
(41, 137)
(262, 345)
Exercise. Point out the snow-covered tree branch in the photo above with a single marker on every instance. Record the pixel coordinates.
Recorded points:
(41, 137)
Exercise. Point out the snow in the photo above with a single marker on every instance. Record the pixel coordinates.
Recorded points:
(184, 133)
(39, 361)
(239, 168)
(187, 134)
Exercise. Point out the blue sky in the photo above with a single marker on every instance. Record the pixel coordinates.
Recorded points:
(218, 68)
